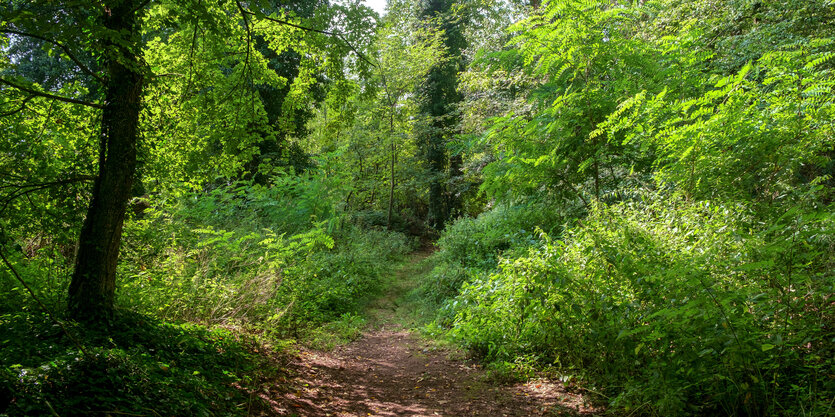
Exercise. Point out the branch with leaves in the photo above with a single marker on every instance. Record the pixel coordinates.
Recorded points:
(19, 190)
(337, 35)
(34, 92)
(60, 45)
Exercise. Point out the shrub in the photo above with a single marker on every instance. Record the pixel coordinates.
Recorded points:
(670, 307)
(235, 268)
(472, 246)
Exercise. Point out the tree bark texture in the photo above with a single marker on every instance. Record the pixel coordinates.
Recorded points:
(93, 285)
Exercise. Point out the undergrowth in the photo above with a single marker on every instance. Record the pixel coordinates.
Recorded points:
(662, 307)
(249, 266)
(137, 366)
(473, 246)
(212, 286)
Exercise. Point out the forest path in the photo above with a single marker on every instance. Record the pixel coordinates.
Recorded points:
(390, 371)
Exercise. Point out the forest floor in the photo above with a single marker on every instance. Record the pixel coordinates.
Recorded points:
(392, 371)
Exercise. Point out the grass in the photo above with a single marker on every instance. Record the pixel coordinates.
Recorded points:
(396, 304)
(338, 332)
(402, 304)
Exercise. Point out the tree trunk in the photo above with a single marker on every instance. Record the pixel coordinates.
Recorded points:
(456, 163)
(437, 166)
(391, 188)
(93, 286)
(439, 95)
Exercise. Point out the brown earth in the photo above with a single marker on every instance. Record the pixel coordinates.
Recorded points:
(390, 371)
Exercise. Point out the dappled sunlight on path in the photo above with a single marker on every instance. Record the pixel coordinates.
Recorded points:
(391, 372)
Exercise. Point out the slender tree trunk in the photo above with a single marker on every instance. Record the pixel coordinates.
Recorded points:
(436, 185)
(456, 163)
(391, 189)
(93, 286)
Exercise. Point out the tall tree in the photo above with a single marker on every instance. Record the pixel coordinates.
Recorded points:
(93, 285)
(129, 72)
(110, 32)
(438, 99)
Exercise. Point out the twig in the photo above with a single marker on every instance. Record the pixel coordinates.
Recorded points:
(19, 109)
(24, 189)
(140, 6)
(51, 410)
(122, 413)
(337, 35)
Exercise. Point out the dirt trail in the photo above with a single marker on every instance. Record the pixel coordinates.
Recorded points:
(390, 371)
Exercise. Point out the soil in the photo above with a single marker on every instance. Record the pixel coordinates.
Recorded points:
(391, 371)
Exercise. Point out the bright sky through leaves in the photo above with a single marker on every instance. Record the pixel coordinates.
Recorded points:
(377, 5)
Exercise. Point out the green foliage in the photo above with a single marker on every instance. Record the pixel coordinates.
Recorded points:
(139, 365)
(234, 255)
(764, 133)
(669, 308)
(346, 328)
(698, 164)
(472, 247)
(655, 216)
(584, 57)
(365, 136)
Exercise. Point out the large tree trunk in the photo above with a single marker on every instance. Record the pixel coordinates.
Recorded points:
(93, 286)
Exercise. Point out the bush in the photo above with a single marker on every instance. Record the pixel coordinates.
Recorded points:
(235, 268)
(670, 308)
(471, 247)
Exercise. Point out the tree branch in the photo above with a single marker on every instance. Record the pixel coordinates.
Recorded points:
(60, 45)
(285, 22)
(52, 96)
(79, 178)
(19, 109)
(140, 6)
(248, 37)
(337, 35)
(19, 190)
